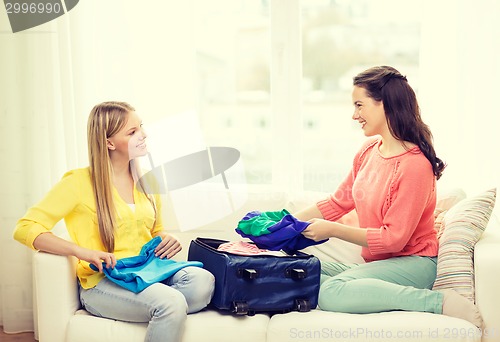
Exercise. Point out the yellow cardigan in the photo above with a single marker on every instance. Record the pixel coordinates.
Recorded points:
(72, 199)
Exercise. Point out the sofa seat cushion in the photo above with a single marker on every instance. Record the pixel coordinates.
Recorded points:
(207, 325)
(323, 326)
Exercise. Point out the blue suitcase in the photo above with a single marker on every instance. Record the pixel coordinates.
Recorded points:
(245, 285)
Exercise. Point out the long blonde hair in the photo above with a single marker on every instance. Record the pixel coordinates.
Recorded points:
(105, 120)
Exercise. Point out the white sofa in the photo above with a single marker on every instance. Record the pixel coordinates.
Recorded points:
(60, 318)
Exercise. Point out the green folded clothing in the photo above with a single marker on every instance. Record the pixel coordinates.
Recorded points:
(258, 225)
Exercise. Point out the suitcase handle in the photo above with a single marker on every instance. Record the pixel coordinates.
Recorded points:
(296, 273)
(247, 273)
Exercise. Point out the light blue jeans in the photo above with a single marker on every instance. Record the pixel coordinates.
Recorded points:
(163, 305)
(401, 283)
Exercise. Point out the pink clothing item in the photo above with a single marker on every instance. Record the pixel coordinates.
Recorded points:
(246, 248)
(394, 199)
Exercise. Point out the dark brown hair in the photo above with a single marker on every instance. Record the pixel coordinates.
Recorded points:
(386, 84)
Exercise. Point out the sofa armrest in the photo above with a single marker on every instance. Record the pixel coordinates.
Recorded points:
(486, 264)
(56, 294)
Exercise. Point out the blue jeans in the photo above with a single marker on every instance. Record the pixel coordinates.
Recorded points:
(401, 283)
(163, 305)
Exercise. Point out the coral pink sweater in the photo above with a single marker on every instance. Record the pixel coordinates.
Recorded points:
(394, 199)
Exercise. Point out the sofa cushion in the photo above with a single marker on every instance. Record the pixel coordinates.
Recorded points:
(461, 227)
(446, 199)
(206, 325)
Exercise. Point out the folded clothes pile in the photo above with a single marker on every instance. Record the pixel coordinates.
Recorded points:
(275, 230)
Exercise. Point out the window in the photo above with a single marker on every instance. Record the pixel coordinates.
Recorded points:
(236, 58)
(340, 39)
(232, 64)
(273, 79)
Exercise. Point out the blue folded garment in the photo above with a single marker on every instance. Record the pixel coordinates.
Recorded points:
(285, 232)
(138, 272)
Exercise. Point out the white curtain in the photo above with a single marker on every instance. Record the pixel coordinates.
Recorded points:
(38, 142)
(459, 89)
(50, 77)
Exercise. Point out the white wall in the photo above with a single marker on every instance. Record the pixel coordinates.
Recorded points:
(459, 90)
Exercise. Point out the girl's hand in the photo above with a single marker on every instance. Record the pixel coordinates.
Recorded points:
(319, 229)
(96, 258)
(168, 247)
